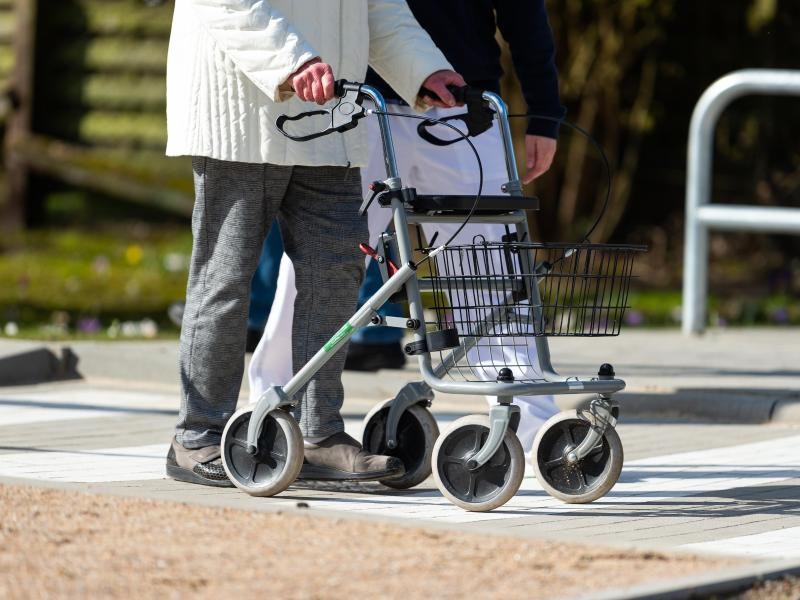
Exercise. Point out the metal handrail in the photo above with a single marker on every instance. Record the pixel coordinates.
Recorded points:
(701, 214)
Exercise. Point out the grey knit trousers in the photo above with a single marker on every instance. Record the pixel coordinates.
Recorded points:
(317, 210)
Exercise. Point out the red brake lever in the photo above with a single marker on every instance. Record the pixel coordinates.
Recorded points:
(370, 251)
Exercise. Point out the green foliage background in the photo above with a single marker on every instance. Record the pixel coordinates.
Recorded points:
(631, 72)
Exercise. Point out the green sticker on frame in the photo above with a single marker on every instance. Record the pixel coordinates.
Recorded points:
(340, 335)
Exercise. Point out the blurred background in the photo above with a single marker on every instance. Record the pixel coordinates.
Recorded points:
(94, 220)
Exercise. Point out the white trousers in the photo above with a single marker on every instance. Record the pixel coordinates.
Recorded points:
(430, 169)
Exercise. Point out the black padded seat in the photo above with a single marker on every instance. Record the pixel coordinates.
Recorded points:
(487, 205)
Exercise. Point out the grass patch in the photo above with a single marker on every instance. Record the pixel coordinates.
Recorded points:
(83, 279)
(106, 281)
(663, 308)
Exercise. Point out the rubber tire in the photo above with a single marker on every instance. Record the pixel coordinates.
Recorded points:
(430, 430)
(294, 453)
(516, 469)
(606, 480)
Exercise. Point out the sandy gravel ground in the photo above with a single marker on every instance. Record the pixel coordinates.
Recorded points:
(72, 545)
(781, 589)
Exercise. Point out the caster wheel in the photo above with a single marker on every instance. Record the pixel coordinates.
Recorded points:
(279, 457)
(416, 434)
(590, 478)
(486, 487)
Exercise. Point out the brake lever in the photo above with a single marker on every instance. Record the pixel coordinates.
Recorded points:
(459, 93)
(478, 117)
(344, 115)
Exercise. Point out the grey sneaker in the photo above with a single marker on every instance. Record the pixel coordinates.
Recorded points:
(341, 458)
(203, 465)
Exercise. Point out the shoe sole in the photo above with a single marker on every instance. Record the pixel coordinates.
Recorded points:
(312, 473)
(187, 476)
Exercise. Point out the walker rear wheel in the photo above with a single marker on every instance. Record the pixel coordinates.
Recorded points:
(278, 460)
(590, 478)
(416, 434)
(486, 487)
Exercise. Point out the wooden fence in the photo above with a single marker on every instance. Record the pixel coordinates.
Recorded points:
(7, 23)
(88, 89)
(6, 38)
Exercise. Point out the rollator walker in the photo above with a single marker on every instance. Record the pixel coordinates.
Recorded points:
(487, 297)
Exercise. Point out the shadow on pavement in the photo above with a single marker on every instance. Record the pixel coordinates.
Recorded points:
(38, 366)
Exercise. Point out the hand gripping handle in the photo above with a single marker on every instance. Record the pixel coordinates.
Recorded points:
(478, 117)
(344, 115)
(459, 93)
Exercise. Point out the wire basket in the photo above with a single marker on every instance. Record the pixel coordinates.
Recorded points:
(510, 289)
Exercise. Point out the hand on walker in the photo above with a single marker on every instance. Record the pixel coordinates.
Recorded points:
(313, 82)
(539, 153)
(437, 82)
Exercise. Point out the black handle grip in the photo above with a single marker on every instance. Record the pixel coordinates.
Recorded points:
(281, 121)
(338, 87)
(478, 117)
(342, 117)
(459, 93)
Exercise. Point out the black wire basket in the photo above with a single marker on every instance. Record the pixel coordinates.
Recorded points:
(510, 289)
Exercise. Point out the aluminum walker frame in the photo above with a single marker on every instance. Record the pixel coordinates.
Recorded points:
(603, 411)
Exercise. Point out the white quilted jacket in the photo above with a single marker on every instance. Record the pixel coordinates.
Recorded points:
(228, 58)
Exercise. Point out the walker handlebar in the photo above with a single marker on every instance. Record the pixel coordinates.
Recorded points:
(344, 115)
(482, 108)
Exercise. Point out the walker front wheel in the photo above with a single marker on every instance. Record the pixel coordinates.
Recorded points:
(416, 434)
(486, 487)
(279, 458)
(590, 478)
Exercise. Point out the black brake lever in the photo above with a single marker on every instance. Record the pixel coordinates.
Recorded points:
(478, 117)
(459, 93)
(344, 115)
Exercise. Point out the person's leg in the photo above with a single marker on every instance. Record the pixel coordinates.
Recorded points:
(453, 170)
(377, 335)
(321, 229)
(517, 353)
(534, 411)
(232, 208)
(228, 225)
(271, 363)
(263, 286)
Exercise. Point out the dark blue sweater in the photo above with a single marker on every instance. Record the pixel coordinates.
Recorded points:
(464, 30)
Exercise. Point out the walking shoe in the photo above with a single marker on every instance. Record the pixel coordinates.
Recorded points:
(203, 465)
(371, 357)
(341, 458)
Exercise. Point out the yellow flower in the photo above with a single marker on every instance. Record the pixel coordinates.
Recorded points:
(133, 254)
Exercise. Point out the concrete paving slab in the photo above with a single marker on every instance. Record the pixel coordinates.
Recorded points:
(769, 544)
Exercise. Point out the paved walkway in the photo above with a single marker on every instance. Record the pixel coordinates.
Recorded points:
(736, 375)
(718, 488)
(700, 474)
